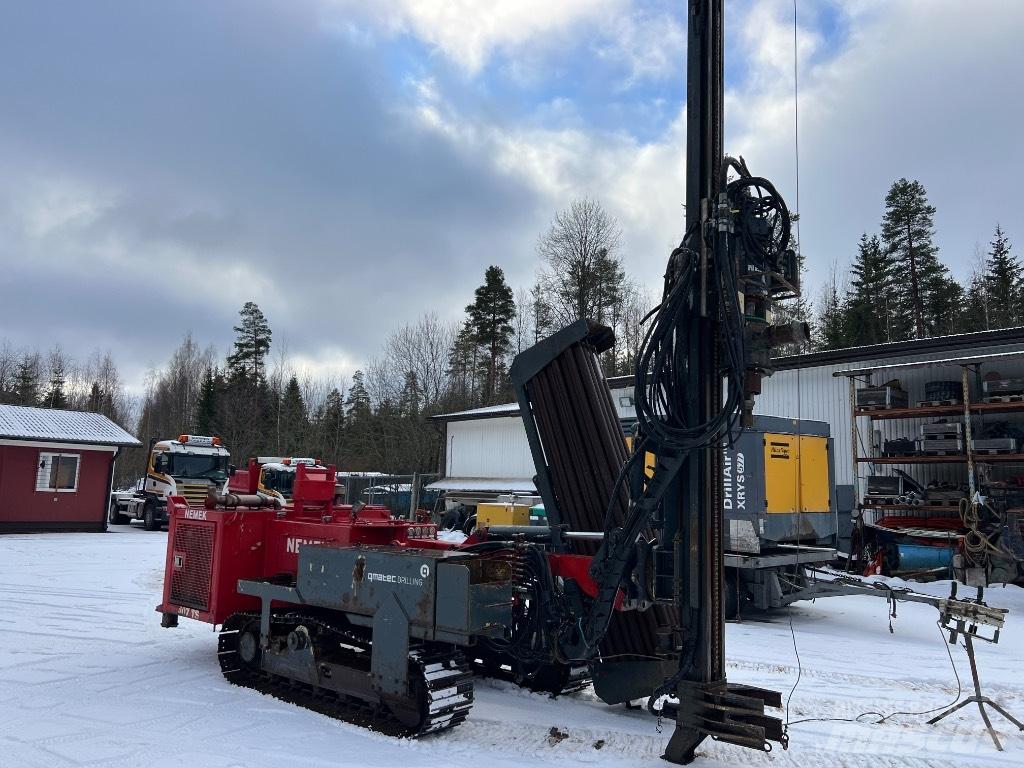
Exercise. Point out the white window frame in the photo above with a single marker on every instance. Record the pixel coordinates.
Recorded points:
(48, 457)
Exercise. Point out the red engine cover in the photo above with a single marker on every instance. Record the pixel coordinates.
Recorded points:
(209, 550)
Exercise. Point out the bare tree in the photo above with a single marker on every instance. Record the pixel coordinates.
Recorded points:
(629, 326)
(421, 349)
(582, 276)
(9, 358)
(522, 323)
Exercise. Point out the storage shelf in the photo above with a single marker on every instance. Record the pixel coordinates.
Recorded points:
(958, 459)
(939, 410)
(921, 507)
(979, 458)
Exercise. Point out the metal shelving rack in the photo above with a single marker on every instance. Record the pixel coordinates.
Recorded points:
(970, 367)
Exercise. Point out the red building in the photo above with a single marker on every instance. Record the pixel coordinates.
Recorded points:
(56, 468)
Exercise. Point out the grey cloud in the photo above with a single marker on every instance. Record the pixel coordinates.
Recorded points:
(237, 139)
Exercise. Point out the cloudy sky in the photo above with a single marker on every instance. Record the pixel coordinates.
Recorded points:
(352, 164)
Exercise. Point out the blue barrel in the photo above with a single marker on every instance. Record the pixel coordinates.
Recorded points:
(920, 557)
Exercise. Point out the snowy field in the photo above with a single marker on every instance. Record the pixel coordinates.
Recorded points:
(88, 678)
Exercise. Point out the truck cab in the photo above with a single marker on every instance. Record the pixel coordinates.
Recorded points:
(189, 467)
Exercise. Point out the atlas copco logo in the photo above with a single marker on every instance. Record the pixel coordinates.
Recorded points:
(292, 544)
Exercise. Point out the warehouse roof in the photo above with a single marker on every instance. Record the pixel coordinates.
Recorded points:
(485, 484)
(19, 422)
(487, 412)
(944, 345)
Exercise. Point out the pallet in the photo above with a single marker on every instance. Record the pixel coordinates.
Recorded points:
(942, 436)
(992, 451)
(910, 455)
(1019, 398)
(943, 453)
(880, 501)
(937, 403)
(877, 407)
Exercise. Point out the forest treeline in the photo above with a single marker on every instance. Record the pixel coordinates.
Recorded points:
(379, 418)
(898, 288)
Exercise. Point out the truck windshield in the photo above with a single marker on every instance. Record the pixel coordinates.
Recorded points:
(184, 465)
(279, 480)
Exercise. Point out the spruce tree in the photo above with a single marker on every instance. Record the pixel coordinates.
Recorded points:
(95, 402)
(410, 397)
(462, 367)
(976, 306)
(330, 424)
(947, 303)
(55, 396)
(294, 420)
(357, 404)
(206, 408)
(251, 343)
(831, 325)
(26, 382)
(490, 316)
(1003, 283)
(867, 297)
(907, 232)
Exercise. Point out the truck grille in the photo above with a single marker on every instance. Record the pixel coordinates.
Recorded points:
(194, 493)
(192, 564)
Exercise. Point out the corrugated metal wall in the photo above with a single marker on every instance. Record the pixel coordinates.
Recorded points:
(492, 448)
(497, 447)
(814, 393)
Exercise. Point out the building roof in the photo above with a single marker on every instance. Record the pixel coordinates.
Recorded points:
(522, 485)
(18, 422)
(488, 412)
(943, 345)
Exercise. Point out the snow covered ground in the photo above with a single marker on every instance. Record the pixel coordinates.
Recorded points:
(88, 678)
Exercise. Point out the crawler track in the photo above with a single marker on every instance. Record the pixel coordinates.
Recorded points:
(441, 681)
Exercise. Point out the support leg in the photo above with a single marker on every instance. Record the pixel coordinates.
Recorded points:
(979, 698)
(998, 708)
(951, 710)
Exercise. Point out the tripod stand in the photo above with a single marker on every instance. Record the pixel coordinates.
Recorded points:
(965, 622)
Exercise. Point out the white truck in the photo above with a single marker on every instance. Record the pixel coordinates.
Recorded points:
(189, 466)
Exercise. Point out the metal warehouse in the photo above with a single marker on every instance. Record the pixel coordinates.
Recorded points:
(486, 452)
(56, 468)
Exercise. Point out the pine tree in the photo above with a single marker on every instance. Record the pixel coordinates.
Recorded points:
(251, 343)
(490, 316)
(1003, 283)
(907, 232)
(206, 408)
(867, 300)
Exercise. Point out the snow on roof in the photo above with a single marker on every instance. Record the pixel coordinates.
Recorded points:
(505, 409)
(20, 422)
(488, 484)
